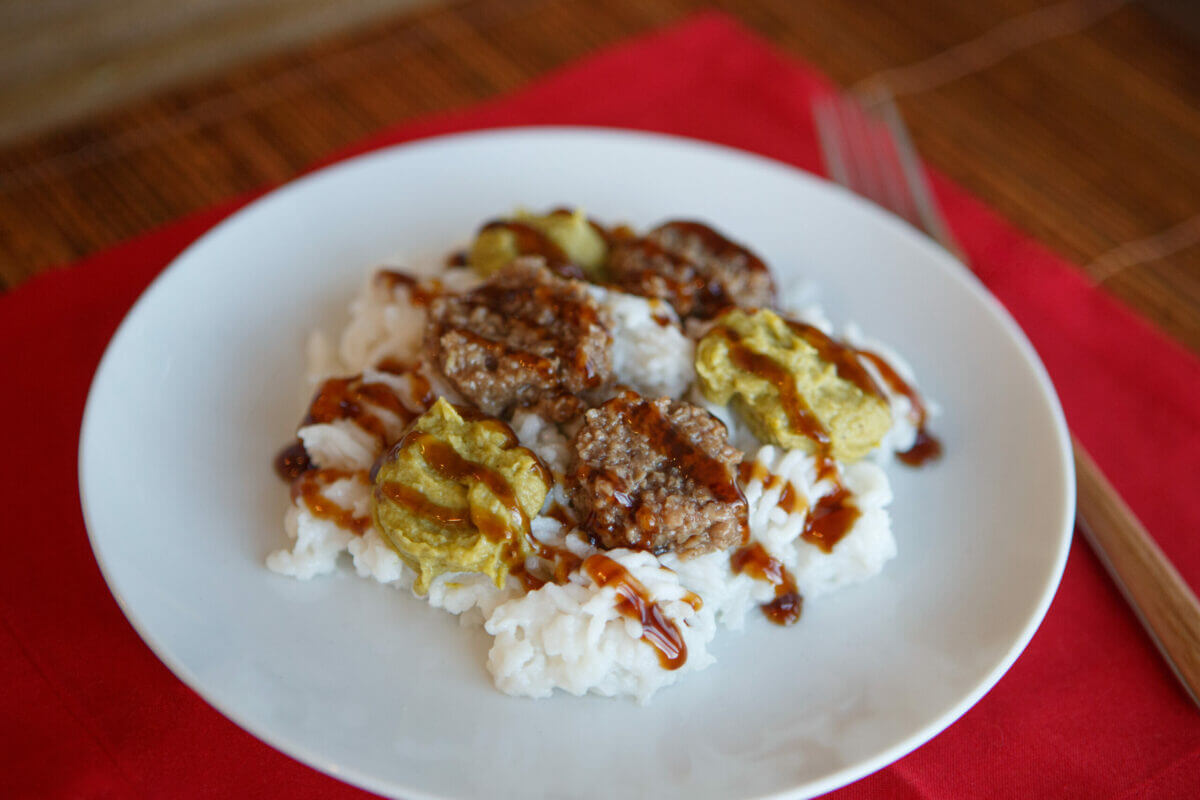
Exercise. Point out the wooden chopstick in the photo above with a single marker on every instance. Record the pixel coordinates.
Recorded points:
(1162, 600)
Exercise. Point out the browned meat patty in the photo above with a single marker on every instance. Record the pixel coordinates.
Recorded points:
(525, 338)
(657, 475)
(694, 268)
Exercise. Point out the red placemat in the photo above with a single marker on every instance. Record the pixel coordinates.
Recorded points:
(1088, 711)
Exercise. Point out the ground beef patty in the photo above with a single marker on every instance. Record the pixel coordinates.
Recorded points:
(524, 338)
(694, 268)
(657, 475)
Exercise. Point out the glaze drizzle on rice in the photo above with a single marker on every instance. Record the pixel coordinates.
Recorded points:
(599, 486)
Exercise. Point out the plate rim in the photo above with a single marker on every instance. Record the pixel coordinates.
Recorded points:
(932, 251)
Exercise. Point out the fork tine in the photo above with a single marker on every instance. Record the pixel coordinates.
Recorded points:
(915, 178)
(871, 154)
(896, 194)
(830, 139)
(863, 164)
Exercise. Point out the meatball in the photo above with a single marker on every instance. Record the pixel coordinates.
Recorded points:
(657, 475)
(694, 268)
(525, 338)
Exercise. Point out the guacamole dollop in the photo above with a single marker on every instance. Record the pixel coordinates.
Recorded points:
(794, 386)
(456, 494)
(569, 232)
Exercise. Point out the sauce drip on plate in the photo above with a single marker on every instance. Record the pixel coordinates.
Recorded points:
(926, 447)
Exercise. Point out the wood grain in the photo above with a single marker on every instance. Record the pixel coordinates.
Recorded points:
(1162, 600)
(1086, 141)
(62, 60)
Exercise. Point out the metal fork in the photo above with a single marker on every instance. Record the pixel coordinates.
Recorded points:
(868, 150)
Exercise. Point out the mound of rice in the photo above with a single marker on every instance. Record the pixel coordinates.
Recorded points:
(571, 636)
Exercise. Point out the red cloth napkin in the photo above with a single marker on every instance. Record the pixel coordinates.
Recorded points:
(1088, 711)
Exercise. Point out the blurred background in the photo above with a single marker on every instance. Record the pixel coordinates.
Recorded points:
(1078, 120)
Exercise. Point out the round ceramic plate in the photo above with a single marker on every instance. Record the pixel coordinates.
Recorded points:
(204, 382)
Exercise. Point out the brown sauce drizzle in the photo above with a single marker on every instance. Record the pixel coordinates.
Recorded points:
(446, 461)
(458, 258)
(561, 515)
(420, 389)
(831, 519)
(502, 299)
(417, 503)
(350, 399)
(419, 293)
(646, 419)
(708, 298)
(292, 461)
(843, 357)
(394, 366)
(308, 488)
(560, 564)
(620, 233)
(926, 447)
(530, 241)
(715, 242)
(563, 562)
(800, 415)
(753, 471)
(790, 500)
(609, 235)
(847, 362)
(699, 467)
(826, 523)
(754, 560)
(633, 602)
(543, 366)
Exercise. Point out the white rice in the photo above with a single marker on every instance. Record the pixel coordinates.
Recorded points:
(544, 439)
(859, 555)
(340, 444)
(728, 597)
(462, 592)
(385, 324)
(572, 637)
(864, 550)
(375, 559)
(652, 358)
(316, 542)
(343, 444)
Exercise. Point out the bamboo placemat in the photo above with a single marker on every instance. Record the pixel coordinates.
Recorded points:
(1090, 140)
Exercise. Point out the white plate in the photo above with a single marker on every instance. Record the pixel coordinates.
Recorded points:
(203, 383)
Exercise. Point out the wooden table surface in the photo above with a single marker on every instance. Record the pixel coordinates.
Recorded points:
(1090, 141)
